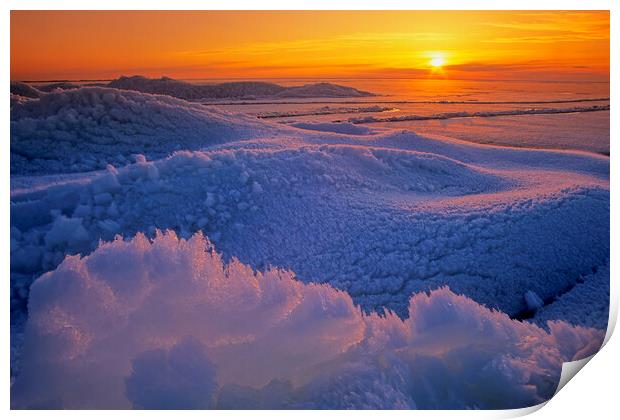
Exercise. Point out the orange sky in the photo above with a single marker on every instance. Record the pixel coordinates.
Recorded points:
(212, 44)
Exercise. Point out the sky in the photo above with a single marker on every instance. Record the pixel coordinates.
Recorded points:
(548, 45)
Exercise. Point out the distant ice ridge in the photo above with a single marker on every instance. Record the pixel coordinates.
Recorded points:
(85, 129)
(239, 90)
(466, 114)
(167, 324)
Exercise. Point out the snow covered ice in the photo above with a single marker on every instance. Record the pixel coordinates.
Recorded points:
(358, 264)
(165, 323)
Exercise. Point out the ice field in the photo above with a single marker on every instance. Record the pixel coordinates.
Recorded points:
(182, 249)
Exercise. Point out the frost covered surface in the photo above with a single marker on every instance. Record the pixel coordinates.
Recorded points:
(85, 129)
(167, 324)
(239, 90)
(381, 221)
(362, 216)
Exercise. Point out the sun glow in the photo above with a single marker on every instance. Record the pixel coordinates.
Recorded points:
(437, 61)
(52, 45)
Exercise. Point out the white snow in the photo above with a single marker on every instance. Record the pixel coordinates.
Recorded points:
(167, 324)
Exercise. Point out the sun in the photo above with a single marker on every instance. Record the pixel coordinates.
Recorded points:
(437, 61)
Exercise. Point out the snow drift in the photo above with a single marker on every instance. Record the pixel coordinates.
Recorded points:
(239, 90)
(167, 324)
(87, 128)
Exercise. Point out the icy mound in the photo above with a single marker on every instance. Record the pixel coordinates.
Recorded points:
(25, 90)
(167, 324)
(218, 192)
(88, 128)
(189, 91)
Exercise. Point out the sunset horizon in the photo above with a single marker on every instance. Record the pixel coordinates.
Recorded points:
(553, 45)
